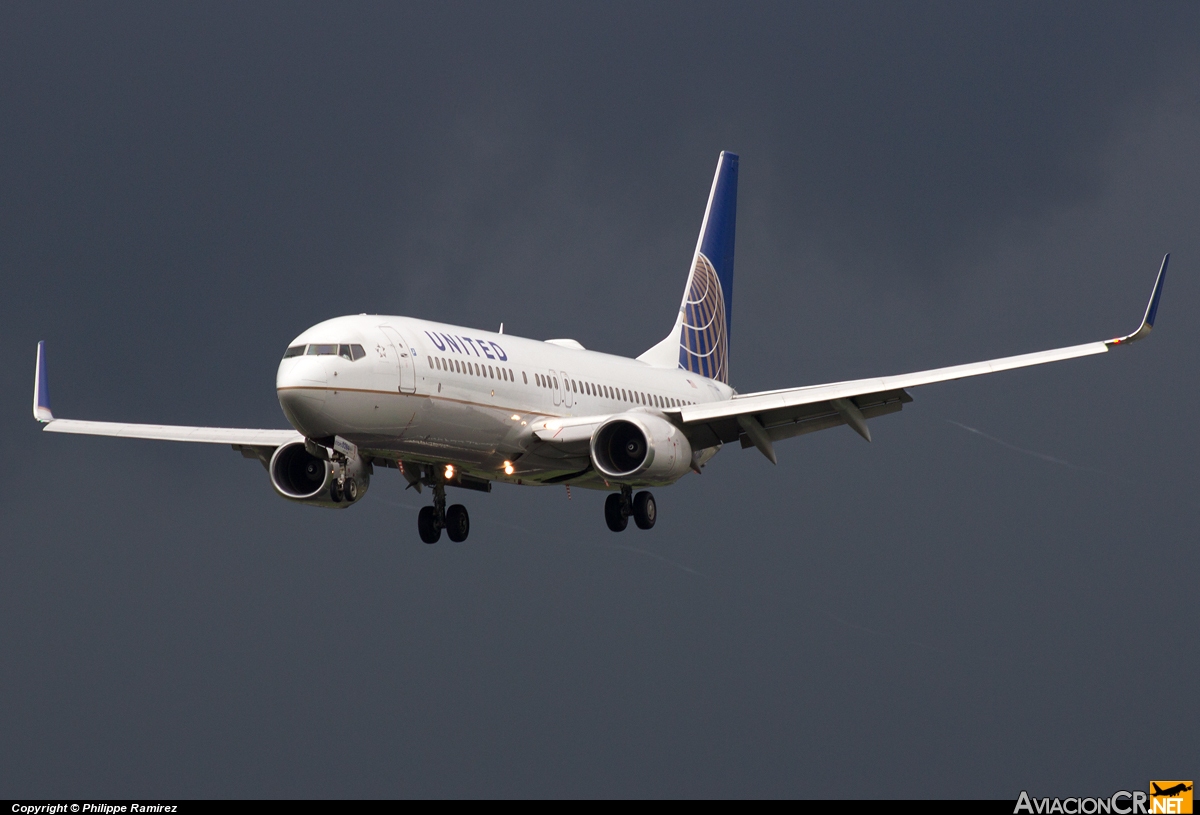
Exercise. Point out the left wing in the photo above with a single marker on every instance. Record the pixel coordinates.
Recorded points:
(758, 419)
(239, 437)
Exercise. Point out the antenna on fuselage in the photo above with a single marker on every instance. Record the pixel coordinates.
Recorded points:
(501, 328)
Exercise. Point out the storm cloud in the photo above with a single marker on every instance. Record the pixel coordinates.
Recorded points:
(188, 187)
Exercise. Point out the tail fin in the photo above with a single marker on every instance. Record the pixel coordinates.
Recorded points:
(699, 342)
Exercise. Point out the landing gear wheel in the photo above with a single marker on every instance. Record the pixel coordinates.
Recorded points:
(335, 492)
(458, 523)
(614, 513)
(644, 510)
(427, 525)
(351, 490)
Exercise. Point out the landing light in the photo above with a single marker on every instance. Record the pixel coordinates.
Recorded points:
(515, 417)
(508, 468)
(449, 471)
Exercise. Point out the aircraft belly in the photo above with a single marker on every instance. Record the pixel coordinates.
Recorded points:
(421, 426)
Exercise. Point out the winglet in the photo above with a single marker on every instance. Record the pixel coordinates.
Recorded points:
(1151, 309)
(41, 393)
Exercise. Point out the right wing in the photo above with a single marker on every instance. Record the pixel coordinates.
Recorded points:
(253, 443)
(758, 419)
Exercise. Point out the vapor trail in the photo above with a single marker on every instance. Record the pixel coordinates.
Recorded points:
(1036, 454)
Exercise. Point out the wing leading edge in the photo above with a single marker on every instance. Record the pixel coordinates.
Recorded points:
(758, 419)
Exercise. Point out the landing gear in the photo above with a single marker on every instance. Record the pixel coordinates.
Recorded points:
(614, 513)
(458, 523)
(344, 487)
(432, 520)
(645, 512)
(427, 525)
(618, 508)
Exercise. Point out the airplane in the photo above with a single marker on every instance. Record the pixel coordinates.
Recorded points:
(1170, 792)
(449, 406)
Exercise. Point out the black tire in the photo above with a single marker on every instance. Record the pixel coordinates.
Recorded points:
(614, 513)
(351, 490)
(427, 525)
(335, 492)
(645, 511)
(458, 523)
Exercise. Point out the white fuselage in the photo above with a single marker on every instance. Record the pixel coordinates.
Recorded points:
(435, 393)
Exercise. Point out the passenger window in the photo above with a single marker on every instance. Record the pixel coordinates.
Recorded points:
(490, 374)
(555, 380)
(525, 377)
(357, 352)
(294, 351)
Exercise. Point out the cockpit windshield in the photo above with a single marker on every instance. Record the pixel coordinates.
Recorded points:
(351, 352)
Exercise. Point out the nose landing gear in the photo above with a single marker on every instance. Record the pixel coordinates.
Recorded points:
(432, 520)
(619, 506)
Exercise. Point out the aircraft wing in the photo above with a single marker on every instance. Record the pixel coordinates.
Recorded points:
(758, 419)
(245, 439)
(167, 432)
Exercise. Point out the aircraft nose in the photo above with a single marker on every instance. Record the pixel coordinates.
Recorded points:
(300, 384)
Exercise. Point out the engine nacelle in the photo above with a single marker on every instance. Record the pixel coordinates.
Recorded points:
(640, 448)
(298, 475)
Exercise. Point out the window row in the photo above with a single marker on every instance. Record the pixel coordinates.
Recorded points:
(350, 352)
(459, 366)
(609, 392)
(472, 368)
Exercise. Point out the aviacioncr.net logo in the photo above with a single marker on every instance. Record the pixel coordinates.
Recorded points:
(1165, 798)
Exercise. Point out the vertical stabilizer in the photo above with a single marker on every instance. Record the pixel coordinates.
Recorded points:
(699, 342)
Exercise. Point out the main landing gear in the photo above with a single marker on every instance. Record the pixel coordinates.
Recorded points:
(619, 506)
(432, 520)
(344, 487)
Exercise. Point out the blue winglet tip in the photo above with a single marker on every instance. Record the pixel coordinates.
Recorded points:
(1152, 309)
(41, 391)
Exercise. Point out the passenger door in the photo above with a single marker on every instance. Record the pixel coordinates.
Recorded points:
(405, 370)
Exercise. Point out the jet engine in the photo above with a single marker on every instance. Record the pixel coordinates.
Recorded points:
(640, 448)
(298, 475)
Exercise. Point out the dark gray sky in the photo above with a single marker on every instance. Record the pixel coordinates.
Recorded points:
(186, 188)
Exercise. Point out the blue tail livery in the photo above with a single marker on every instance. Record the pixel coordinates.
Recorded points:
(707, 309)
